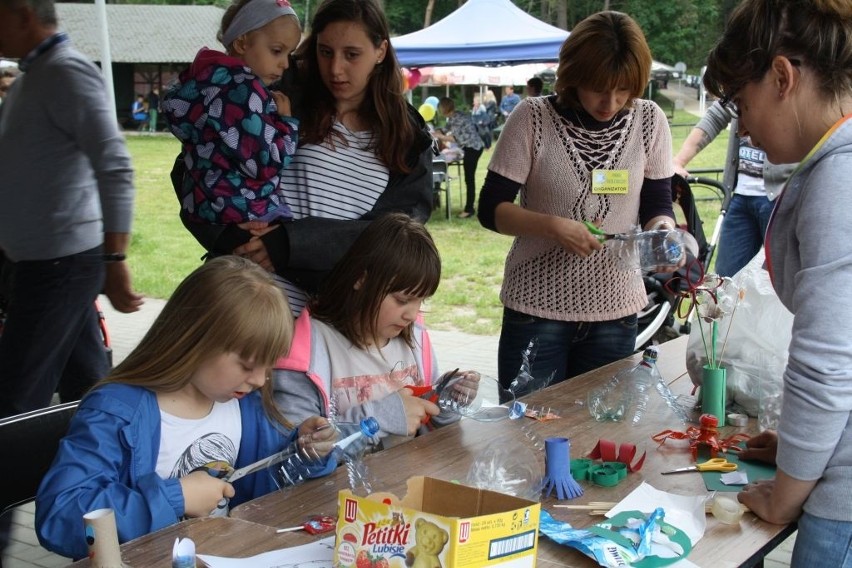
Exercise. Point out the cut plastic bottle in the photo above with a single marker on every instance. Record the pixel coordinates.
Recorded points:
(647, 250)
(626, 393)
(298, 467)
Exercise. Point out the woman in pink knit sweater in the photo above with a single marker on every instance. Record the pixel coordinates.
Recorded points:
(592, 151)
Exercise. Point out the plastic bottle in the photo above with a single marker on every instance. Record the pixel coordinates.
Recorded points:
(643, 378)
(611, 402)
(670, 398)
(627, 390)
(297, 467)
(646, 250)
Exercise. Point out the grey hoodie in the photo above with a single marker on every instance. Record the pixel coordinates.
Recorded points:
(809, 256)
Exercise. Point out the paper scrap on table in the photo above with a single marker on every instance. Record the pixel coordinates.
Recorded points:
(317, 554)
(734, 478)
(686, 512)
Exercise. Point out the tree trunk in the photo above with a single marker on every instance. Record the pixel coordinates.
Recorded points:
(561, 14)
(427, 20)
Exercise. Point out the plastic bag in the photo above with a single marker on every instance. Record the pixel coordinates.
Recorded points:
(629, 538)
(755, 352)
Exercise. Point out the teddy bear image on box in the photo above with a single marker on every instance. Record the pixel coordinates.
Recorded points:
(429, 541)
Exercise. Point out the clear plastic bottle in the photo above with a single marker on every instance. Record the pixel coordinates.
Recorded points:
(671, 400)
(626, 393)
(297, 467)
(644, 377)
(646, 250)
(611, 402)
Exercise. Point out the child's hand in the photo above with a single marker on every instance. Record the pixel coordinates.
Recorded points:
(202, 493)
(416, 410)
(316, 437)
(467, 386)
(283, 102)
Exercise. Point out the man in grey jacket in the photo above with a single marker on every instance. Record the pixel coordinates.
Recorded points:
(67, 194)
(755, 181)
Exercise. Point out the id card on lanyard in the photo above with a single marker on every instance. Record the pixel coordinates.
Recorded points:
(610, 182)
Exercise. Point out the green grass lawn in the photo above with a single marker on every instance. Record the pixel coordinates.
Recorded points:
(163, 252)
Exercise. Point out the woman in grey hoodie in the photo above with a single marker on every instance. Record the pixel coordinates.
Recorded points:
(784, 67)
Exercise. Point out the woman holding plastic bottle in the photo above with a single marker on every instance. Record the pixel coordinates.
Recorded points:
(593, 151)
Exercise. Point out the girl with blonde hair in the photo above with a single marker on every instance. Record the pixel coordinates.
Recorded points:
(151, 440)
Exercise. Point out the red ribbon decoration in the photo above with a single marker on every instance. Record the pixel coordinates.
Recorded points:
(605, 451)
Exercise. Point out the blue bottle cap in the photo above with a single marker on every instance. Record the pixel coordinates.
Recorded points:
(369, 426)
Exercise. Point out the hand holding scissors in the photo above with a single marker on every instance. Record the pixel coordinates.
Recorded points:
(715, 464)
(601, 236)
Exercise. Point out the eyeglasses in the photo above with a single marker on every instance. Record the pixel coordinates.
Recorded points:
(730, 106)
(733, 108)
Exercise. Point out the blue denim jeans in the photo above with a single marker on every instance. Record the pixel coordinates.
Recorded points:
(822, 542)
(51, 338)
(565, 348)
(742, 233)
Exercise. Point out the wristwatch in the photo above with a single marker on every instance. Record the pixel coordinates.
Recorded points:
(114, 257)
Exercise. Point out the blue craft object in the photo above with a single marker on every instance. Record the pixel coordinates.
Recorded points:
(558, 470)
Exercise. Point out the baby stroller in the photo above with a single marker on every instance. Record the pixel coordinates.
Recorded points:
(657, 321)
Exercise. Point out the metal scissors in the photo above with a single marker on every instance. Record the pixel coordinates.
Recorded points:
(602, 236)
(715, 464)
(231, 475)
(257, 466)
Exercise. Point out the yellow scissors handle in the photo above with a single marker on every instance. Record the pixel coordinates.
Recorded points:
(716, 464)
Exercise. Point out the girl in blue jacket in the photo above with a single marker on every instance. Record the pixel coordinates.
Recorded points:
(361, 341)
(192, 400)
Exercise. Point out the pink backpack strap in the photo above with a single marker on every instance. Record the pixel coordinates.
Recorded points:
(298, 358)
(426, 354)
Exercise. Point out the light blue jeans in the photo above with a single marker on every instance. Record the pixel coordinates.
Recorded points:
(565, 348)
(742, 233)
(822, 542)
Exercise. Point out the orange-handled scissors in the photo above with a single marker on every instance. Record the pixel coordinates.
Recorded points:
(716, 464)
(431, 392)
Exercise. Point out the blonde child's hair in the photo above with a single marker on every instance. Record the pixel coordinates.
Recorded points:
(227, 36)
(227, 305)
(395, 253)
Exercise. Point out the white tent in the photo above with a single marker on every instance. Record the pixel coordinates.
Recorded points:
(478, 75)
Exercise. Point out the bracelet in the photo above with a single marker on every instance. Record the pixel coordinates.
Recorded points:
(114, 257)
(662, 225)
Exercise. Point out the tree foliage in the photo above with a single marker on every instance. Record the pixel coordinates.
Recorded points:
(677, 30)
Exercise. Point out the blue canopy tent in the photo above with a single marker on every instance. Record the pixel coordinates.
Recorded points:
(481, 32)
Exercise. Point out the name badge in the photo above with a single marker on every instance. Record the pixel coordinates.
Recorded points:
(609, 181)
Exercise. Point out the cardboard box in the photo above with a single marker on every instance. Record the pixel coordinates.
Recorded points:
(436, 524)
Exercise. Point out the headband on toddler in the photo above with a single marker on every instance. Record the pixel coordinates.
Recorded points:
(254, 15)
